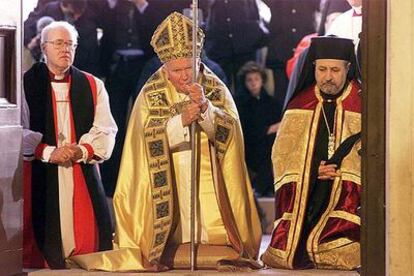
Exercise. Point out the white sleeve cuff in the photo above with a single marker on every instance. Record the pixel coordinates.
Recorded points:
(47, 152)
(85, 154)
(176, 132)
(31, 140)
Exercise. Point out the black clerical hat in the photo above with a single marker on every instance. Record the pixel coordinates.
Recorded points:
(324, 47)
(330, 47)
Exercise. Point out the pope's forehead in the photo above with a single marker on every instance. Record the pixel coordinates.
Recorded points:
(179, 62)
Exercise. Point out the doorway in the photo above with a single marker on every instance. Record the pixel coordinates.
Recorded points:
(373, 48)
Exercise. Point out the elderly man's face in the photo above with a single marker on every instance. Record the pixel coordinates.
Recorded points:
(59, 49)
(179, 72)
(330, 75)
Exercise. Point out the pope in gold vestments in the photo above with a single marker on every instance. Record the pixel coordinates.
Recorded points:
(152, 197)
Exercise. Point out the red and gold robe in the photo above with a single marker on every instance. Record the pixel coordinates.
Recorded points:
(333, 241)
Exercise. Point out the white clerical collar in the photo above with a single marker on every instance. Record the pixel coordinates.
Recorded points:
(59, 78)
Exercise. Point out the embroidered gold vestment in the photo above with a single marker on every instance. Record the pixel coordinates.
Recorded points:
(145, 199)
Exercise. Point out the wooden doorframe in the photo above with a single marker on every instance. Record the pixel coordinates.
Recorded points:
(373, 43)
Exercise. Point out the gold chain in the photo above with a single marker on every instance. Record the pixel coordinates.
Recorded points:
(326, 120)
(331, 136)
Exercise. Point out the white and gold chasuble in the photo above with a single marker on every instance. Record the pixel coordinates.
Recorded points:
(153, 190)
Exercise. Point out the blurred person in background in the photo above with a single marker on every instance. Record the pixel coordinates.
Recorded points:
(348, 24)
(126, 50)
(330, 9)
(34, 44)
(85, 17)
(259, 114)
(234, 34)
(291, 20)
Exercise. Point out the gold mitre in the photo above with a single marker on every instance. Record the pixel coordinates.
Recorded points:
(173, 38)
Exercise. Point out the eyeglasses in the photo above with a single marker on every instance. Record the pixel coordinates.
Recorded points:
(59, 44)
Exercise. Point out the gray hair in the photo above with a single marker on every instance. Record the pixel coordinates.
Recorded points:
(59, 24)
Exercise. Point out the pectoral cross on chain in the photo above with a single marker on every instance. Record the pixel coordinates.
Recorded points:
(61, 138)
(331, 145)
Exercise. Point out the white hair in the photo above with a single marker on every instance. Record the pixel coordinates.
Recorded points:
(59, 24)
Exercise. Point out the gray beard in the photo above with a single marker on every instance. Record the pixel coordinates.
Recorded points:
(332, 92)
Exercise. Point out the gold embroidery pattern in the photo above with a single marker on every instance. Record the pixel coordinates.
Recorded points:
(161, 186)
(157, 99)
(159, 163)
(350, 168)
(303, 186)
(352, 122)
(346, 216)
(154, 78)
(282, 149)
(163, 39)
(160, 110)
(275, 258)
(155, 82)
(343, 119)
(290, 156)
(153, 122)
(314, 236)
(154, 86)
(214, 95)
(155, 92)
(344, 257)
(334, 244)
(213, 89)
(285, 216)
(160, 179)
(356, 178)
(285, 180)
(156, 148)
(223, 125)
(177, 108)
(162, 210)
(289, 150)
(160, 237)
(173, 38)
(222, 134)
